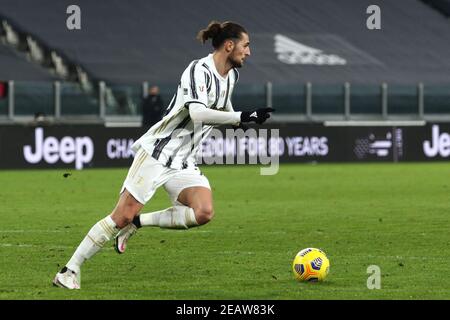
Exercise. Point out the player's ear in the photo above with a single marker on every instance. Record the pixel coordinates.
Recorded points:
(229, 45)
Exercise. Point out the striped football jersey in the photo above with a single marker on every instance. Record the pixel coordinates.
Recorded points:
(173, 140)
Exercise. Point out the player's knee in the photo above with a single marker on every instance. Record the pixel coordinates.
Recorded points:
(124, 215)
(121, 220)
(126, 221)
(204, 214)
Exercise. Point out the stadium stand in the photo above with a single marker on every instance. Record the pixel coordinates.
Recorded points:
(126, 42)
(14, 65)
(326, 43)
(442, 6)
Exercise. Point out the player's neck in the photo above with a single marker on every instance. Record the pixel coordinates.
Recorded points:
(221, 63)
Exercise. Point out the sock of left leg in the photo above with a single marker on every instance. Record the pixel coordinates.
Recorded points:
(176, 217)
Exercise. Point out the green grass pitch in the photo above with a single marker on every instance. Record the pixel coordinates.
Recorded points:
(395, 216)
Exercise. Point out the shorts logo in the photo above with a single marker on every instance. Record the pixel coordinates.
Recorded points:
(185, 91)
(201, 88)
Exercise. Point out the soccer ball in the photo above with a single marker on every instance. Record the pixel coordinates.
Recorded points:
(311, 264)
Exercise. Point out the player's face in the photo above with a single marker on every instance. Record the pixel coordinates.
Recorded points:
(240, 51)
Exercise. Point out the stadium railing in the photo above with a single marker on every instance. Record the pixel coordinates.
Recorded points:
(66, 102)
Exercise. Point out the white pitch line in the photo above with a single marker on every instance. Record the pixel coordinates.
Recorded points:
(397, 257)
(15, 245)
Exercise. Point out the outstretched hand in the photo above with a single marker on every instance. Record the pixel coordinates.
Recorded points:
(259, 115)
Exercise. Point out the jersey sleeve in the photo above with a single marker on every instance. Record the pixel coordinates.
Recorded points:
(199, 113)
(194, 84)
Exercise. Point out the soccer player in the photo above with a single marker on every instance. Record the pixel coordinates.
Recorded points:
(165, 154)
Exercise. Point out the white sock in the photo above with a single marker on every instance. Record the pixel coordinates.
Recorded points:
(176, 217)
(100, 233)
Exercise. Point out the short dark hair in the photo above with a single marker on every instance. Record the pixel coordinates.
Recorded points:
(219, 32)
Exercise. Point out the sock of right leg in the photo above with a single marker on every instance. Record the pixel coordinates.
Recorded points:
(176, 217)
(100, 233)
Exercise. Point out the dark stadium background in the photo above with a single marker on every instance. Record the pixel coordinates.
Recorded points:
(396, 78)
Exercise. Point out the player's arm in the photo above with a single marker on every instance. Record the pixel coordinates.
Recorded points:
(194, 82)
(199, 113)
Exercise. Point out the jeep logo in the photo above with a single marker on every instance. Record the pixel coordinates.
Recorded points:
(439, 144)
(79, 150)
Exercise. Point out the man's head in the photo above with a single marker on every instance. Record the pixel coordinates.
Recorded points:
(153, 91)
(230, 38)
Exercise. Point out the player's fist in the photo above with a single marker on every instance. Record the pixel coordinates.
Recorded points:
(259, 115)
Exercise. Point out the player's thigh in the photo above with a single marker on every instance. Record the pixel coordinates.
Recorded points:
(197, 197)
(144, 177)
(200, 199)
(192, 189)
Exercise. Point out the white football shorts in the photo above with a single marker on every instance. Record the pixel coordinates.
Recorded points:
(146, 175)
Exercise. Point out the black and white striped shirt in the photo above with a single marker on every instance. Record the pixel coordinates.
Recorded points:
(172, 140)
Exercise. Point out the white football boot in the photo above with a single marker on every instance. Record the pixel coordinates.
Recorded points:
(121, 239)
(68, 279)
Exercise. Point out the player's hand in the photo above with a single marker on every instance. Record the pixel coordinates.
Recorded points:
(259, 115)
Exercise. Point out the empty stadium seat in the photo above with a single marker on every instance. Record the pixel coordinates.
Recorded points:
(131, 42)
